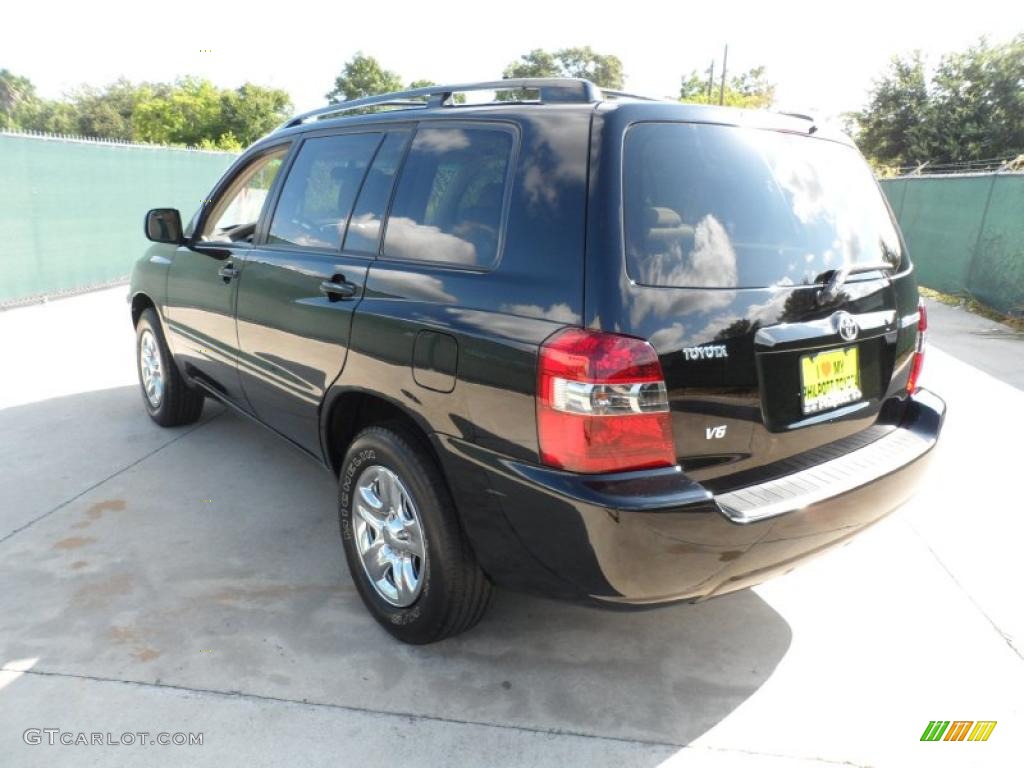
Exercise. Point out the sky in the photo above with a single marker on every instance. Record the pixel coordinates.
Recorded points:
(821, 55)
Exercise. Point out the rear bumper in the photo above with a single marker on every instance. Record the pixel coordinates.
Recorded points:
(656, 536)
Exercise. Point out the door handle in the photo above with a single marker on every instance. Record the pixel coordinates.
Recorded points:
(228, 271)
(338, 288)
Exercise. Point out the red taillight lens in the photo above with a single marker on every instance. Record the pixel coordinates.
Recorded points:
(918, 362)
(602, 405)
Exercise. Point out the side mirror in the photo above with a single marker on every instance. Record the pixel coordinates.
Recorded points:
(163, 225)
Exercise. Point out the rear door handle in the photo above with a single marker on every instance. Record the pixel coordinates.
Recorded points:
(338, 288)
(228, 271)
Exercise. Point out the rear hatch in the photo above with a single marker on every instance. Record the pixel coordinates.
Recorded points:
(767, 271)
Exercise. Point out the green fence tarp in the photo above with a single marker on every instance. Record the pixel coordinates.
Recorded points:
(996, 274)
(71, 216)
(71, 211)
(965, 233)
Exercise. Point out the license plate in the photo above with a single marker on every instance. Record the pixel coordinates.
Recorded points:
(829, 379)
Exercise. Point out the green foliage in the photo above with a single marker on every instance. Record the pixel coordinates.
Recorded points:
(48, 116)
(190, 111)
(970, 109)
(536, 63)
(105, 112)
(893, 129)
(226, 142)
(252, 111)
(603, 69)
(362, 76)
(195, 112)
(186, 113)
(16, 93)
(750, 89)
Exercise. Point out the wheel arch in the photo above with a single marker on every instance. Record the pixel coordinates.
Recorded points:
(351, 410)
(141, 301)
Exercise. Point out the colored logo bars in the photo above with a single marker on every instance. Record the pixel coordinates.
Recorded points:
(958, 730)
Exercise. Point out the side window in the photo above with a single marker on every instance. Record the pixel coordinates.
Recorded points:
(450, 197)
(321, 187)
(235, 213)
(364, 227)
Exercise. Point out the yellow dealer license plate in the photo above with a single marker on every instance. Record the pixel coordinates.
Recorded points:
(830, 379)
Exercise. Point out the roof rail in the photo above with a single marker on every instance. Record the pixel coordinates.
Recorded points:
(799, 116)
(624, 95)
(551, 90)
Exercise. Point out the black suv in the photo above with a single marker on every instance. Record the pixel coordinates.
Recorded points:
(572, 341)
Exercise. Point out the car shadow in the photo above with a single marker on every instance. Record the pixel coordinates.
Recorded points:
(208, 558)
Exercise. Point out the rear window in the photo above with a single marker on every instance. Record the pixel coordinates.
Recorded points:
(723, 207)
(450, 197)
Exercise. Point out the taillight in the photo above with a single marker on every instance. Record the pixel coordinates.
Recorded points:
(918, 362)
(602, 405)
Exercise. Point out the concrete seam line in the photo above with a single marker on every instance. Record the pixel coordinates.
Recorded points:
(111, 476)
(412, 716)
(1006, 638)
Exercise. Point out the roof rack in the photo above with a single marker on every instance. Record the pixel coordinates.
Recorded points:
(552, 90)
(624, 95)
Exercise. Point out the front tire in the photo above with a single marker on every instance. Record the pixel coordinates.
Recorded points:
(168, 399)
(409, 559)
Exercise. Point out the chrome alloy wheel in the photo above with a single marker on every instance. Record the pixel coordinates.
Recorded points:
(151, 368)
(389, 536)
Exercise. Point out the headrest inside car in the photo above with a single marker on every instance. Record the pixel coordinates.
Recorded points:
(655, 216)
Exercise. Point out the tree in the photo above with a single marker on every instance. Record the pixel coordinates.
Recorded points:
(893, 128)
(749, 89)
(970, 109)
(190, 111)
(186, 112)
(604, 70)
(362, 76)
(49, 117)
(252, 111)
(87, 111)
(105, 112)
(977, 103)
(196, 112)
(16, 93)
(536, 63)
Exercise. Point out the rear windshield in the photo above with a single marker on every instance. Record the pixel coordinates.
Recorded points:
(723, 207)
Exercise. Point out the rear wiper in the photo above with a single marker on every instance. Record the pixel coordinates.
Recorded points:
(836, 278)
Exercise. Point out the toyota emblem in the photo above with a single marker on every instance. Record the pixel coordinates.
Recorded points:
(846, 325)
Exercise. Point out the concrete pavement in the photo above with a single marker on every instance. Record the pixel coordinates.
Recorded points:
(989, 346)
(191, 580)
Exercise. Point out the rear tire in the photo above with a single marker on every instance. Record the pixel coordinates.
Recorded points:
(168, 399)
(397, 516)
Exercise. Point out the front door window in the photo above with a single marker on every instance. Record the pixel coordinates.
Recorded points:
(236, 212)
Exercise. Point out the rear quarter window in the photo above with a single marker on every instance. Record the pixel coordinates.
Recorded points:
(450, 199)
(717, 206)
